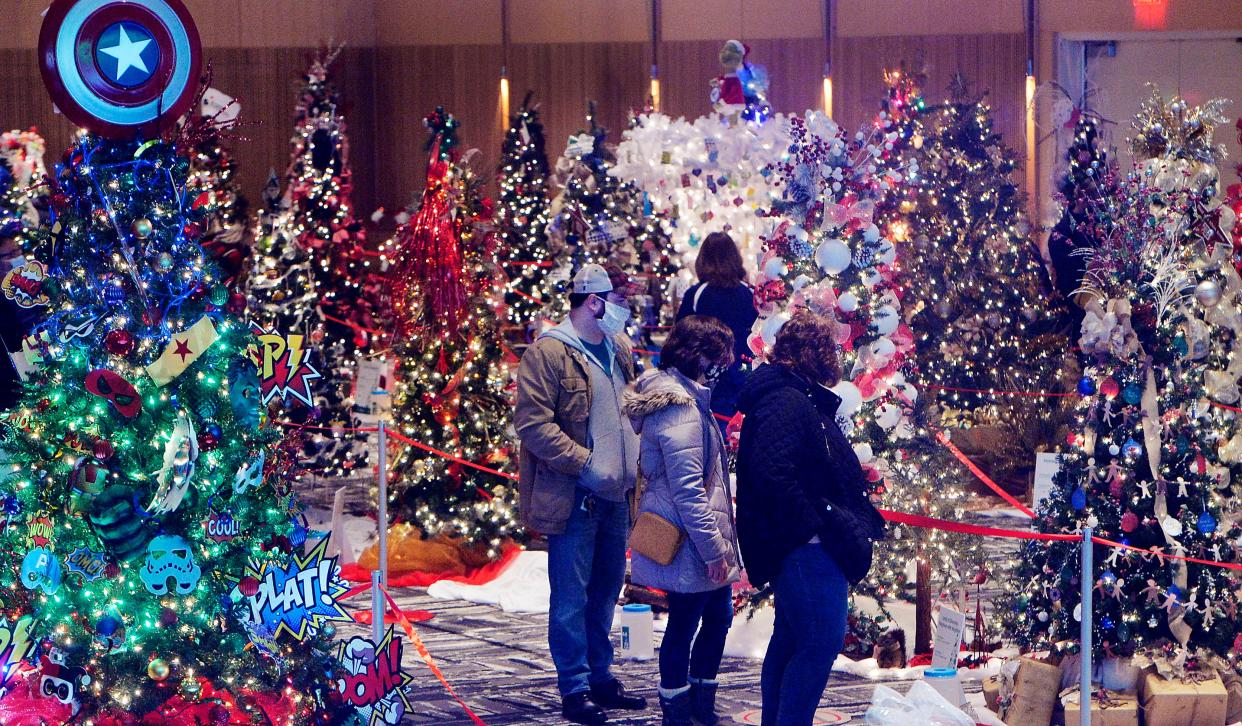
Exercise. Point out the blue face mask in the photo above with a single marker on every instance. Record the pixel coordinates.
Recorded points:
(615, 318)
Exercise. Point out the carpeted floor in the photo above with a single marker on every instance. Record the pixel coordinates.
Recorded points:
(500, 666)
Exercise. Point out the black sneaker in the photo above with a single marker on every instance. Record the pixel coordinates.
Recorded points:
(577, 708)
(612, 695)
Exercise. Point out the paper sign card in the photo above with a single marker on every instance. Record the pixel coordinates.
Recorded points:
(1047, 465)
(949, 630)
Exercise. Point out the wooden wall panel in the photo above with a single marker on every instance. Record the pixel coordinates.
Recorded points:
(265, 80)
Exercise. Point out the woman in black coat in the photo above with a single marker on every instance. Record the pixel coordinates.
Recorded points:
(804, 520)
(722, 293)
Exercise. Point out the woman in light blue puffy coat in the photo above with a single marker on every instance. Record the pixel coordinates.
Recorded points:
(684, 465)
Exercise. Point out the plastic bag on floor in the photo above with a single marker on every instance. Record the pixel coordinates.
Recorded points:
(921, 705)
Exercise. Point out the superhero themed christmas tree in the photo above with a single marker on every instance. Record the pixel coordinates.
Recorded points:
(1153, 454)
(452, 386)
(522, 215)
(154, 567)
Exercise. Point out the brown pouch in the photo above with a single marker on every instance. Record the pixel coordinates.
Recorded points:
(656, 538)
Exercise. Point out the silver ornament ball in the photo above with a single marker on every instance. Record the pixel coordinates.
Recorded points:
(1207, 293)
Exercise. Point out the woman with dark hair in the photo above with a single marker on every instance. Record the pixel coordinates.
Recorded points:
(683, 540)
(722, 293)
(803, 516)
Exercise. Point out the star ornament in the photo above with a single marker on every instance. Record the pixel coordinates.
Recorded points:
(127, 47)
(298, 598)
(183, 349)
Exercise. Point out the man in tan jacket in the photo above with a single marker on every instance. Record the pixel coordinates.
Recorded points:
(579, 463)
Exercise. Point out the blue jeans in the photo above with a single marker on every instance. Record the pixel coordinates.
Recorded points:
(711, 613)
(810, 606)
(586, 569)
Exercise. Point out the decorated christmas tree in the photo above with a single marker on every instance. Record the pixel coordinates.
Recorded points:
(1155, 447)
(592, 215)
(454, 372)
(21, 181)
(522, 215)
(980, 281)
(600, 217)
(212, 186)
(281, 288)
(150, 528)
(1070, 242)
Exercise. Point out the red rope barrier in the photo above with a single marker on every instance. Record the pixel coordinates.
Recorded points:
(918, 520)
(994, 392)
(527, 263)
(943, 438)
(445, 455)
(355, 326)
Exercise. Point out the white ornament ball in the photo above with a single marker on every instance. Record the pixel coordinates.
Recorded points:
(864, 453)
(887, 416)
(775, 268)
(1114, 449)
(871, 234)
(851, 398)
(848, 302)
(833, 256)
(772, 326)
(885, 320)
(801, 281)
(884, 348)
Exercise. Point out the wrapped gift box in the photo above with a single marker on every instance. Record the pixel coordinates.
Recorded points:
(991, 693)
(1178, 703)
(1113, 709)
(1035, 690)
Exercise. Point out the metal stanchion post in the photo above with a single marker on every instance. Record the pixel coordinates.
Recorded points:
(377, 608)
(383, 503)
(1084, 634)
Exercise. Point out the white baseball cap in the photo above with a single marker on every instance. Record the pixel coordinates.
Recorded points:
(592, 278)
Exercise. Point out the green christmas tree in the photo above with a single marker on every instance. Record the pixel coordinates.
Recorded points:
(522, 215)
(454, 371)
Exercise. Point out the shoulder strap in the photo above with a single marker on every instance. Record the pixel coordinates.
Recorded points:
(694, 308)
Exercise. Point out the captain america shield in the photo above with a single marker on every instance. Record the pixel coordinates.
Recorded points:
(120, 68)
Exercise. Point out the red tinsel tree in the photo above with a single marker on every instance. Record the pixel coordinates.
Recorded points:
(453, 389)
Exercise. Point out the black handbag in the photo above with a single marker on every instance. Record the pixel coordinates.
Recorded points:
(849, 538)
(850, 530)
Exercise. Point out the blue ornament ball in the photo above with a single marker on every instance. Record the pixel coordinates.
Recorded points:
(1206, 523)
(1086, 386)
(107, 625)
(1132, 394)
(1078, 499)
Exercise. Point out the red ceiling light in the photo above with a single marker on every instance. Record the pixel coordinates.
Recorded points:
(1150, 14)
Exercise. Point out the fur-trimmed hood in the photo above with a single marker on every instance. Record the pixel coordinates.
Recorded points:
(656, 390)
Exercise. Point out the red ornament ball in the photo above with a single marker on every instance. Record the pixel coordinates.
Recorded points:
(1109, 387)
(104, 449)
(207, 441)
(168, 618)
(248, 586)
(111, 570)
(1129, 522)
(152, 316)
(237, 303)
(119, 342)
